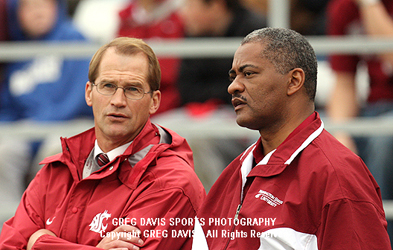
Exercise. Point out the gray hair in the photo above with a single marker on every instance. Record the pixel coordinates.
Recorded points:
(286, 49)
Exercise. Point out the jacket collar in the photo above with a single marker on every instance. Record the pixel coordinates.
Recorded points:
(151, 142)
(276, 161)
(76, 149)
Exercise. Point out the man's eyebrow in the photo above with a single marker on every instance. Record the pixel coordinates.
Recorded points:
(241, 69)
(135, 84)
(105, 81)
(131, 83)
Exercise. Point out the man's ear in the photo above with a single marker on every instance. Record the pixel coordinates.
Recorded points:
(296, 81)
(155, 102)
(88, 93)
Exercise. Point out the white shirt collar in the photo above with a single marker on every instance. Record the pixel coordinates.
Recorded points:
(113, 153)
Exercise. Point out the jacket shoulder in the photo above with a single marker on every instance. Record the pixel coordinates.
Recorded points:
(51, 159)
(342, 171)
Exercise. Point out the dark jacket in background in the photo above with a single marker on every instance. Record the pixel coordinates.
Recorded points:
(203, 79)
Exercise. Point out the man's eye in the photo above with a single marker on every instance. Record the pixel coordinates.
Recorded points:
(248, 73)
(108, 85)
(133, 89)
(231, 78)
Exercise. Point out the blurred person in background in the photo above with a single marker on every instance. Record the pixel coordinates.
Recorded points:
(156, 19)
(259, 6)
(372, 18)
(202, 80)
(308, 17)
(45, 88)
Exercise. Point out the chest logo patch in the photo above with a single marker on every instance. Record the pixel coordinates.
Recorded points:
(269, 198)
(97, 224)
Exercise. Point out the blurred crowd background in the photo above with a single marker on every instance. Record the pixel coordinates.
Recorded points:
(51, 88)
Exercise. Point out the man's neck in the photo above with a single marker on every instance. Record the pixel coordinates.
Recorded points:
(273, 137)
(112, 154)
(107, 145)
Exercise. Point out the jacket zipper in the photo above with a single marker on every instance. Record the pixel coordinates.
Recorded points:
(233, 226)
(237, 213)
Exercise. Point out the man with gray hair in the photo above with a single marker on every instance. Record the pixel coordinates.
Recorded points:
(297, 187)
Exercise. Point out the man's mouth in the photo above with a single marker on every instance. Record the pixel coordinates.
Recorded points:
(117, 115)
(238, 103)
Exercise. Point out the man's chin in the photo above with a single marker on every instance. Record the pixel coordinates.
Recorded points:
(117, 131)
(246, 123)
(241, 122)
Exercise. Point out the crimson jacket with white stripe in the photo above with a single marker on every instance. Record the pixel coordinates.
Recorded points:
(152, 183)
(310, 193)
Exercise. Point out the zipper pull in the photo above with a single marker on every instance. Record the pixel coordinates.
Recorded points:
(237, 212)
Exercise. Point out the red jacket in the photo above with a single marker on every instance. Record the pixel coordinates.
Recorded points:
(152, 182)
(310, 193)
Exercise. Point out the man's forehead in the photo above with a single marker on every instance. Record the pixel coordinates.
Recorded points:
(250, 49)
(248, 55)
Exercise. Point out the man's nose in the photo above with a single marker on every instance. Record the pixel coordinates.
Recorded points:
(235, 86)
(119, 97)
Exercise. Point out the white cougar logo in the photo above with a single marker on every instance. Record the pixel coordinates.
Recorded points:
(97, 224)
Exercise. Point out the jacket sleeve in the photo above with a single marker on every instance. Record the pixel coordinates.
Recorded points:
(165, 218)
(50, 242)
(28, 219)
(348, 224)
